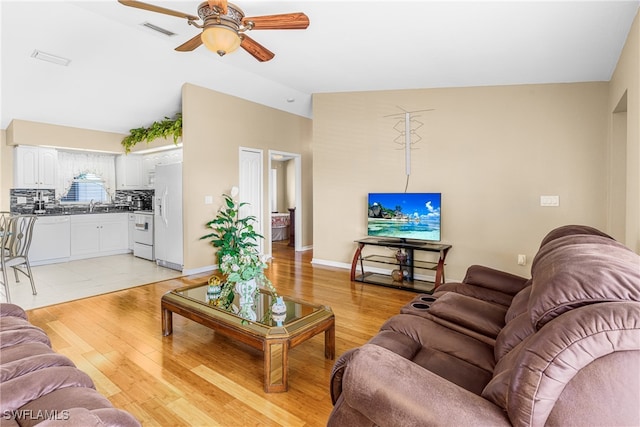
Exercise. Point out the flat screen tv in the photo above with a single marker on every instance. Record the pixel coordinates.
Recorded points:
(404, 216)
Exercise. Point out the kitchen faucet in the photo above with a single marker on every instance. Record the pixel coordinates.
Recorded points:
(91, 206)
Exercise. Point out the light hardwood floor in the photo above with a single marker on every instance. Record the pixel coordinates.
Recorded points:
(195, 377)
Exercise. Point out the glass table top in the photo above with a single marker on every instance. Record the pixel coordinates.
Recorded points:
(297, 311)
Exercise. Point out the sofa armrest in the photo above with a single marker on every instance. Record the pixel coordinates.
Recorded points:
(391, 390)
(8, 309)
(497, 280)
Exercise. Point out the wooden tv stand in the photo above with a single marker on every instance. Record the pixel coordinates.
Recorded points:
(408, 266)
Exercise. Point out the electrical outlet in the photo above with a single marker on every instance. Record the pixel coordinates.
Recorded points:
(129, 198)
(22, 200)
(208, 200)
(549, 200)
(522, 259)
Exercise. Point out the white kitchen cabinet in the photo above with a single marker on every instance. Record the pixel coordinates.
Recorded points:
(51, 240)
(35, 167)
(150, 161)
(99, 234)
(130, 172)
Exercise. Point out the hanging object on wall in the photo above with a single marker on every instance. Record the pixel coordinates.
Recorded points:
(407, 126)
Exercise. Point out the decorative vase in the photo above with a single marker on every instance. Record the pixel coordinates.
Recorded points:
(246, 292)
(213, 293)
(401, 256)
(279, 311)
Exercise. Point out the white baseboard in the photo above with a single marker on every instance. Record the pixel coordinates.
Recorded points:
(190, 271)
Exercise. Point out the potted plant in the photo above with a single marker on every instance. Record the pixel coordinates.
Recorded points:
(238, 257)
(163, 129)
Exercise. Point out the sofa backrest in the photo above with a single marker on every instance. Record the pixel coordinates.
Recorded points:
(569, 230)
(575, 275)
(583, 306)
(573, 239)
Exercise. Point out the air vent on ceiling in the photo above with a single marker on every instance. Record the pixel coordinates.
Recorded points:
(54, 59)
(158, 29)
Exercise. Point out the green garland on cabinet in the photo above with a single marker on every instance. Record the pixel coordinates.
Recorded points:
(162, 129)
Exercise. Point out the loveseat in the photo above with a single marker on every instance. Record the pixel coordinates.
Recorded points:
(39, 386)
(559, 348)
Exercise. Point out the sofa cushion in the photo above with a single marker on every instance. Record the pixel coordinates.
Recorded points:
(17, 352)
(452, 355)
(15, 329)
(474, 291)
(483, 317)
(16, 368)
(65, 399)
(12, 310)
(572, 276)
(512, 334)
(519, 304)
(28, 387)
(496, 280)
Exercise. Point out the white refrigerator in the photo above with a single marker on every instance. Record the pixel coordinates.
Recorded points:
(168, 216)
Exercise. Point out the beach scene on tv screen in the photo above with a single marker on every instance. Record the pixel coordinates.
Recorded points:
(404, 215)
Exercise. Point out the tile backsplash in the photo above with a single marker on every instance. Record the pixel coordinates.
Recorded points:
(23, 201)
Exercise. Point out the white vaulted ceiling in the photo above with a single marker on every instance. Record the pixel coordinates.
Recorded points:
(123, 75)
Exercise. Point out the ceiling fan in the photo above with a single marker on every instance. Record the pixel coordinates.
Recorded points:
(224, 26)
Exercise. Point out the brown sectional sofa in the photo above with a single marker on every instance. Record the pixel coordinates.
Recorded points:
(39, 386)
(560, 348)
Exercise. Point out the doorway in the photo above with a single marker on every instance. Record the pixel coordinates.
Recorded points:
(285, 193)
(617, 210)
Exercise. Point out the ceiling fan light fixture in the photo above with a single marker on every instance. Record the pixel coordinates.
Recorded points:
(220, 39)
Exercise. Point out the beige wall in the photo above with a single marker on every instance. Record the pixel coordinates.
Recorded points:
(623, 107)
(215, 126)
(23, 132)
(290, 186)
(491, 151)
(282, 183)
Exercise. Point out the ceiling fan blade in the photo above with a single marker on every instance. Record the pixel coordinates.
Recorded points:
(286, 21)
(190, 44)
(256, 50)
(158, 9)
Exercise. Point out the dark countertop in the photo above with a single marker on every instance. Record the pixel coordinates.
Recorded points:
(54, 210)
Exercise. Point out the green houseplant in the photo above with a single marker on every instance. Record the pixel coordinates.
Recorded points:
(163, 129)
(237, 253)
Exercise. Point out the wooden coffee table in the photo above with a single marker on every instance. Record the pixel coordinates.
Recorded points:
(303, 321)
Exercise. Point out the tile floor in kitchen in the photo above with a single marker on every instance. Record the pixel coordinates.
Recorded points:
(71, 280)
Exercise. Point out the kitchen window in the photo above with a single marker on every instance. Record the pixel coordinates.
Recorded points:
(86, 187)
(83, 176)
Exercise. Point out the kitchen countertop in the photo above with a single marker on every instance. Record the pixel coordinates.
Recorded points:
(55, 210)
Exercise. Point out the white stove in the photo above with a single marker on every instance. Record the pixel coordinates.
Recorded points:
(143, 235)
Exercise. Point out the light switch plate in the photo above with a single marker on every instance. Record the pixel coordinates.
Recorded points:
(549, 200)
